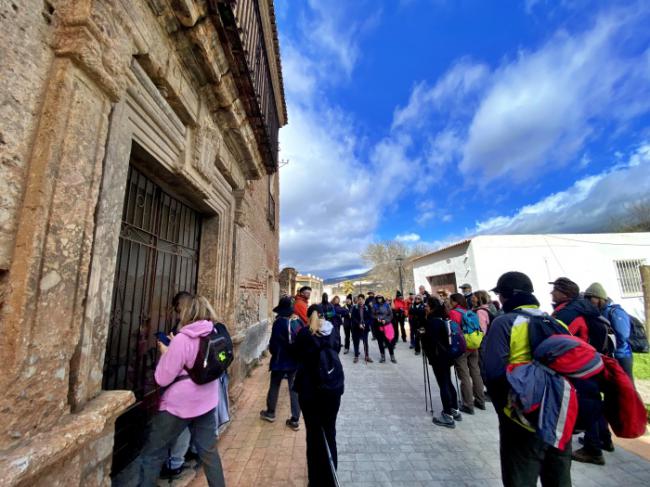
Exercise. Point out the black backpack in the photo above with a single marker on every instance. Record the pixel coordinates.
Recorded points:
(330, 370)
(214, 356)
(638, 339)
(601, 334)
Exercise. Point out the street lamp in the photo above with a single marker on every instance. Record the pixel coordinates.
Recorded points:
(399, 260)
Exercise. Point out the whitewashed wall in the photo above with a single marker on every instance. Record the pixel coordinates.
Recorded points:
(584, 258)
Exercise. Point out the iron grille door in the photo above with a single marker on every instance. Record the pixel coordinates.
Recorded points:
(157, 257)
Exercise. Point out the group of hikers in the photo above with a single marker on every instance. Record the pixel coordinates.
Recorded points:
(545, 374)
(548, 376)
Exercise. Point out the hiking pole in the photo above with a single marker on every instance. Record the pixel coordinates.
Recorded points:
(460, 397)
(428, 382)
(424, 378)
(335, 479)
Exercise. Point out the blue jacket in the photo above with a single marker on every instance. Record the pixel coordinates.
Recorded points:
(382, 312)
(340, 313)
(281, 346)
(621, 324)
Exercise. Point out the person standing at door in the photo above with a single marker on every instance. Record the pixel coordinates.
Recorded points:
(184, 403)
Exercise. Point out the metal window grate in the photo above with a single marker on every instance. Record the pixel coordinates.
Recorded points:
(629, 276)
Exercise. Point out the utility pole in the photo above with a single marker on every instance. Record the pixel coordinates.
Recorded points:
(399, 268)
(645, 285)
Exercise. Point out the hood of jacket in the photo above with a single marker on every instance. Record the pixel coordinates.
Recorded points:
(582, 307)
(326, 329)
(198, 329)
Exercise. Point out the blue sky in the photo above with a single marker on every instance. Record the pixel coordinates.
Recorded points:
(429, 121)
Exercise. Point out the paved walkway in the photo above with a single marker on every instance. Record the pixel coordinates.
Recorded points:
(385, 437)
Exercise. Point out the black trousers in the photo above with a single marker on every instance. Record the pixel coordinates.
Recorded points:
(398, 324)
(319, 414)
(346, 330)
(383, 343)
(360, 335)
(448, 394)
(525, 458)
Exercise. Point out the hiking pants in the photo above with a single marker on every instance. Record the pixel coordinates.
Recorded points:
(469, 374)
(360, 335)
(398, 324)
(448, 394)
(164, 430)
(346, 330)
(383, 343)
(590, 415)
(319, 414)
(626, 364)
(274, 390)
(525, 458)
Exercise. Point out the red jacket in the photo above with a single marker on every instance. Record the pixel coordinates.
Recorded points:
(578, 327)
(455, 315)
(400, 304)
(300, 306)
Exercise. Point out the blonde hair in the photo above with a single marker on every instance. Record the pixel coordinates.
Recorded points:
(315, 322)
(196, 309)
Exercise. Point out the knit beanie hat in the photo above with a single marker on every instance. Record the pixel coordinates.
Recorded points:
(597, 291)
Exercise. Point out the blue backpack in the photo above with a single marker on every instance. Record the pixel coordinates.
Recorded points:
(471, 329)
(457, 345)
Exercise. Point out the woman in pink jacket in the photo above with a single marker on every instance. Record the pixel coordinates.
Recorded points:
(184, 403)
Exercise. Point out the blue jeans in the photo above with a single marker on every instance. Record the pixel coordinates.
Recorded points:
(179, 449)
(164, 430)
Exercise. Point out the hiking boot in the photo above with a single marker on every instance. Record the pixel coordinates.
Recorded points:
(404, 339)
(455, 413)
(466, 410)
(293, 423)
(356, 359)
(382, 359)
(171, 473)
(266, 416)
(392, 359)
(584, 456)
(369, 360)
(411, 346)
(417, 353)
(346, 351)
(444, 420)
(608, 447)
(480, 405)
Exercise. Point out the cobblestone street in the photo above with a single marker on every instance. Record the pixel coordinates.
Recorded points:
(385, 437)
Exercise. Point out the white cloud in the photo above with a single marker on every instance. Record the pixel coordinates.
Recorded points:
(591, 204)
(408, 237)
(544, 106)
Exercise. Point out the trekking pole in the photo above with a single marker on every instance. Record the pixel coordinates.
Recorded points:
(428, 383)
(460, 397)
(335, 479)
(424, 378)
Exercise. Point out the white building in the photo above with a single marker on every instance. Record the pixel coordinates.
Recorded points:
(613, 259)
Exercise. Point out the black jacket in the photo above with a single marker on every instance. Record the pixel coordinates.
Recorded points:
(355, 315)
(307, 350)
(435, 341)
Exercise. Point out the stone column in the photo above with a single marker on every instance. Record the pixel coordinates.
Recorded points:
(645, 280)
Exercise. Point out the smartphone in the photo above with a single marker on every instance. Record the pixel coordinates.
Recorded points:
(163, 338)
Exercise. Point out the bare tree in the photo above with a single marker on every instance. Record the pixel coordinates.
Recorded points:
(637, 218)
(383, 257)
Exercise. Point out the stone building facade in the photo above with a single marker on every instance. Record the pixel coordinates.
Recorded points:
(138, 149)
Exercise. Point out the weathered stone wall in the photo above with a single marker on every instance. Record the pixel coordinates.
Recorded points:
(86, 81)
(288, 281)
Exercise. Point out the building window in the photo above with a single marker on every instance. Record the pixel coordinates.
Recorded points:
(271, 208)
(629, 277)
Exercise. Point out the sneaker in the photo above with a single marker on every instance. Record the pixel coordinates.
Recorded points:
(382, 359)
(404, 339)
(608, 447)
(466, 410)
(417, 353)
(392, 359)
(411, 347)
(444, 420)
(585, 457)
(356, 359)
(480, 405)
(346, 351)
(455, 413)
(369, 360)
(293, 423)
(171, 473)
(266, 416)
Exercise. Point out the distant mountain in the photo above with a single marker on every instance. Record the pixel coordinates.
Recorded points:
(349, 277)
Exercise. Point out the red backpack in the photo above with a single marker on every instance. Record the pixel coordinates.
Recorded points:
(624, 409)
